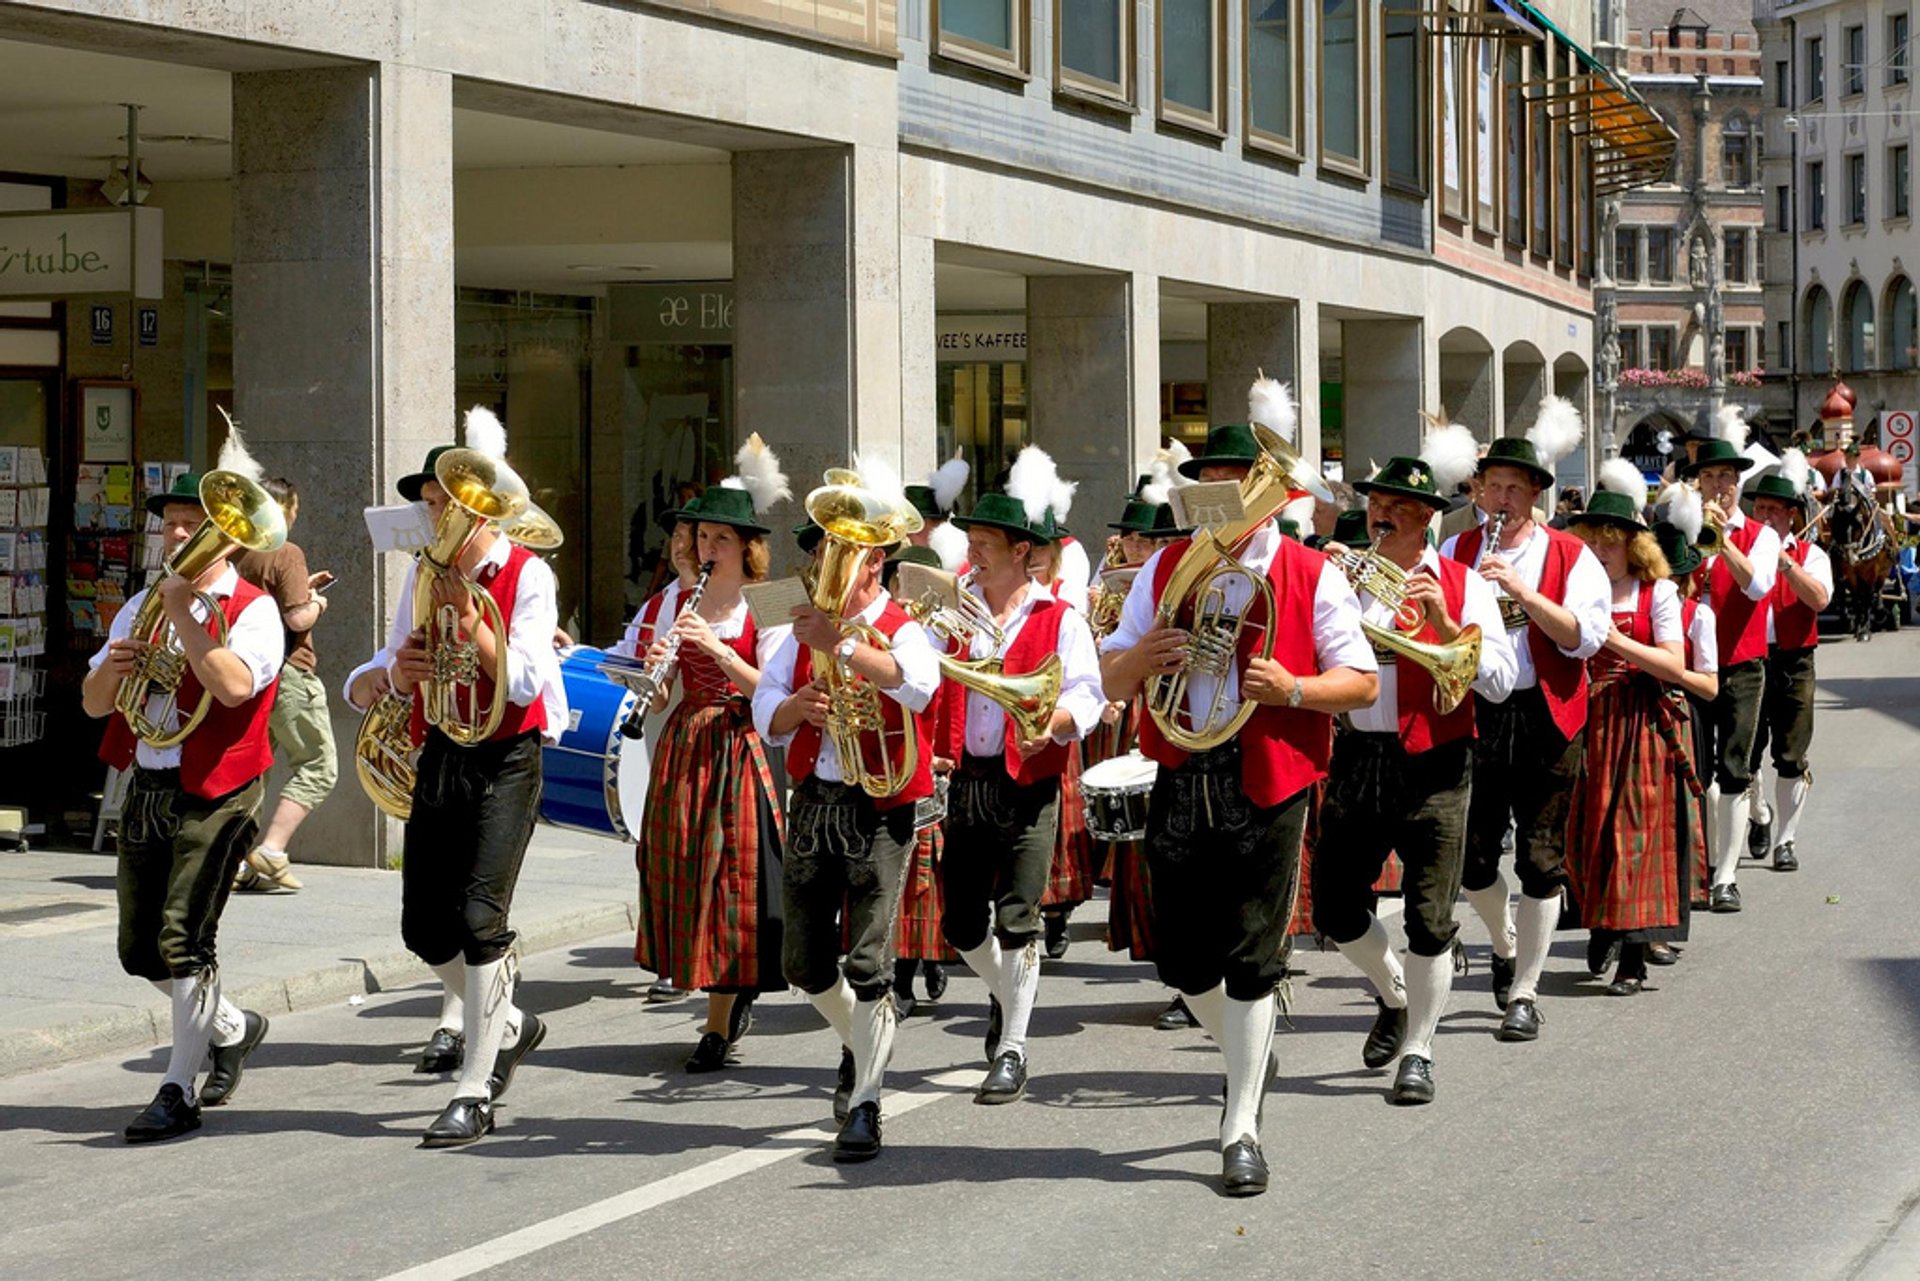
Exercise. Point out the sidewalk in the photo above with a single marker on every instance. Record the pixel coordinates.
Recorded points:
(64, 997)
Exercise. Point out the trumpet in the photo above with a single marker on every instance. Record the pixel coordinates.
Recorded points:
(1712, 538)
(240, 514)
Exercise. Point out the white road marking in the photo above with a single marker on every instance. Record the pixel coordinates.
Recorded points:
(648, 1196)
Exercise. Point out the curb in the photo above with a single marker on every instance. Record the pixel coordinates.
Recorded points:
(323, 985)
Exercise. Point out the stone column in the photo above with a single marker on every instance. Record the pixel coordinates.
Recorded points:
(343, 343)
(1383, 372)
(919, 342)
(1245, 339)
(1087, 384)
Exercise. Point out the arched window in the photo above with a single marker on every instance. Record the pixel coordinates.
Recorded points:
(1736, 152)
(1818, 339)
(1899, 328)
(1857, 353)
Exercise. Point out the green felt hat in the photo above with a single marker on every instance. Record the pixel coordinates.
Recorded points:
(1163, 524)
(908, 554)
(1405, 478)
(1716, 453)
(921, 499)
(808, 535)
(1610, 508)
(1227, 443)
(1009, 514)
(410, 485)
(1777, 487)
(724, 505)
(1350, 528)
(1136, 519)
(1516, 451)
(1682, 556)
(186, 489)
(1289, 527)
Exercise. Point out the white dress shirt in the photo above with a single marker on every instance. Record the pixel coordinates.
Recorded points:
(1080, 692)
(1704, 636)
(1497, 666)
(1764, 556)
(628, 646)
(1665, 611)
(533, 666)
(1337, 638)
(256, 638)
(919, 680)
(1589, 598)
(1819, 567)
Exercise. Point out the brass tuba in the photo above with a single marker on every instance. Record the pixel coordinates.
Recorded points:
(534, 530)
(240, 514)
(384, 754)
(1195, 600)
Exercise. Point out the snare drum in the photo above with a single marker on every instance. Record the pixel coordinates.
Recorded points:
(1115, 793)
(594, 779)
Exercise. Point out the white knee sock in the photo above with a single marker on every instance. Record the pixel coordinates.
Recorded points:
(1020, 978)
(1496, 910)
(1429, 979)
(836, 1006)
(1209, 1009)
(1757, 811)
(1246, 1039)
(453, 980)
(194, 1001)
(1533, 934)
(488, 1008)
(1373, 953)
(873, 1024)
(229, 1023)
(987, 962)
(1789, 799)
(1730, 825)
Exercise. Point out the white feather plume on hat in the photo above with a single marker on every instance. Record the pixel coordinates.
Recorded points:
(1684, 509)
(234, 456)
(1270, 404)
(1163, 474)
(1733, 427)
(948, 480)
(1451, 451)
(1060, 499)
(1622, 477)
(879, 475)
(949, 544)
(486, 434)
(1032, 480)
(759, 474)
(1556, 431)
(1796, 470)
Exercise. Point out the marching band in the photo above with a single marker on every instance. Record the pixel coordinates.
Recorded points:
(843, 780)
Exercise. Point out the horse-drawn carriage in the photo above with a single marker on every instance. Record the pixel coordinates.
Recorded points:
(1873, 564)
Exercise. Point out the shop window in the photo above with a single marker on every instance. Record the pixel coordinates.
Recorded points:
(1856, 68)
(1734, 256)
(985, 33)
(1736, 156)
(1816, 196)
(1899, 182)
(1856, 189)
(1736, 351)
(981, 412)
(1659, 255)
(1273, 56)
(1626, 255)
(1093, 48)
(1343, 86)
(1403, 66)
(1191, 63)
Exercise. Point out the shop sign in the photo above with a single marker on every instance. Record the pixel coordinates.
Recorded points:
(689, 313)
(988, 339)
(75, 252)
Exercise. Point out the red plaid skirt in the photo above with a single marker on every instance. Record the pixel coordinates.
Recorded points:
(920, 904)
(702, 846)
(1130, 902)
(1390, 875)
(1071, 881)
(1622, 844)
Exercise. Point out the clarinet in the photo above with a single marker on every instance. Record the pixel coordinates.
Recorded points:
(660, 675)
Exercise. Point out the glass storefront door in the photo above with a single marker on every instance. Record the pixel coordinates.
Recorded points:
(982, 411)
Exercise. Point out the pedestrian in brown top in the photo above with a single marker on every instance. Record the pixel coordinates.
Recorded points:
(302, 727)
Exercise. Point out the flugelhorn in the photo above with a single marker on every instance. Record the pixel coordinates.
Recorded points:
(1029, 699)
(240, 514)
(1712, 538)
(1369, 571)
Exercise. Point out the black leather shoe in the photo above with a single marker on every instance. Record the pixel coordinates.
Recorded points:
(229, 1060)
(843, 1085)
(1662, 954)
(936, 976)
(1243, 1170)
(903, 1005)
(1176, 1016)
(1056, 943)
(710, 1055)
(1759, 837)
(1384, 1037)
(465, 1121)
(168, 1117)
(740, 1017)
(443, 1053)
(663, 991)
(1522, 1022)
(1626, 987)
(1413, 1084)
(1725, 898)
(994, 1017)
(1602, 951)
(859, 1138)
(1784, 859)
(1006, 1080)
(532, 1032)
(1502, 968)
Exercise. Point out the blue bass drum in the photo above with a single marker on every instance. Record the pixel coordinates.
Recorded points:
(594, 779)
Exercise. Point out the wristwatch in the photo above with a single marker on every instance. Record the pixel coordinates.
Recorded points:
(1296, 694)
(844, 650)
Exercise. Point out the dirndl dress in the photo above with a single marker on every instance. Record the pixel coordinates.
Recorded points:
(1070, 882)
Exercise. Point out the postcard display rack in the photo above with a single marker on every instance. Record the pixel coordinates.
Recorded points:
(24, 503)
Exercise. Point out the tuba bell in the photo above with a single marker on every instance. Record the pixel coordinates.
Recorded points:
(384, 753)
(240, 514)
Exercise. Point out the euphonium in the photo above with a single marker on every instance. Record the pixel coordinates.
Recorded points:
(240, 514)
(384, 753)
(1195, 600)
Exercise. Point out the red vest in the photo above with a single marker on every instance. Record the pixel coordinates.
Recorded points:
(1562, 680)
(1795, 624)
(1422, 728)
(805, 749)
(504, 587)
(229, 749)
(1635, 625)
(1742, 620)
(1283, 750)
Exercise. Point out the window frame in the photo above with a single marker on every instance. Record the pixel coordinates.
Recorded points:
(1816, 56)
(1514, 141)
(1899, 49)
(1816, 193)
(1489, 207)
(1081, 87)
(1630, 237)
(1421, 187)
(1361, 167)
(1252, 136)
(1540, 135)
(1783, 84)
(1737, 126)
(1016, 63)
(1179, 115)
(1727, 257)
(1899, 185)
(1746, 349)
(1783, 206)
(1666, 233)
(1859, 193)
(1673, 341)
(1853, 70)
(1628, 336)
(1449, 122)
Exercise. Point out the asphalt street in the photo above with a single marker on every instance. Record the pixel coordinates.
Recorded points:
(1750, 1118)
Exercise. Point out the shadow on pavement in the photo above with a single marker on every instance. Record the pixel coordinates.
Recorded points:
(909, 1166)
(1895, 696)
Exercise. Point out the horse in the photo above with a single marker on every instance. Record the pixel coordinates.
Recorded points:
(1862, 552)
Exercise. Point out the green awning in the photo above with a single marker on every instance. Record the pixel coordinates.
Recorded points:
(1632, 146)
